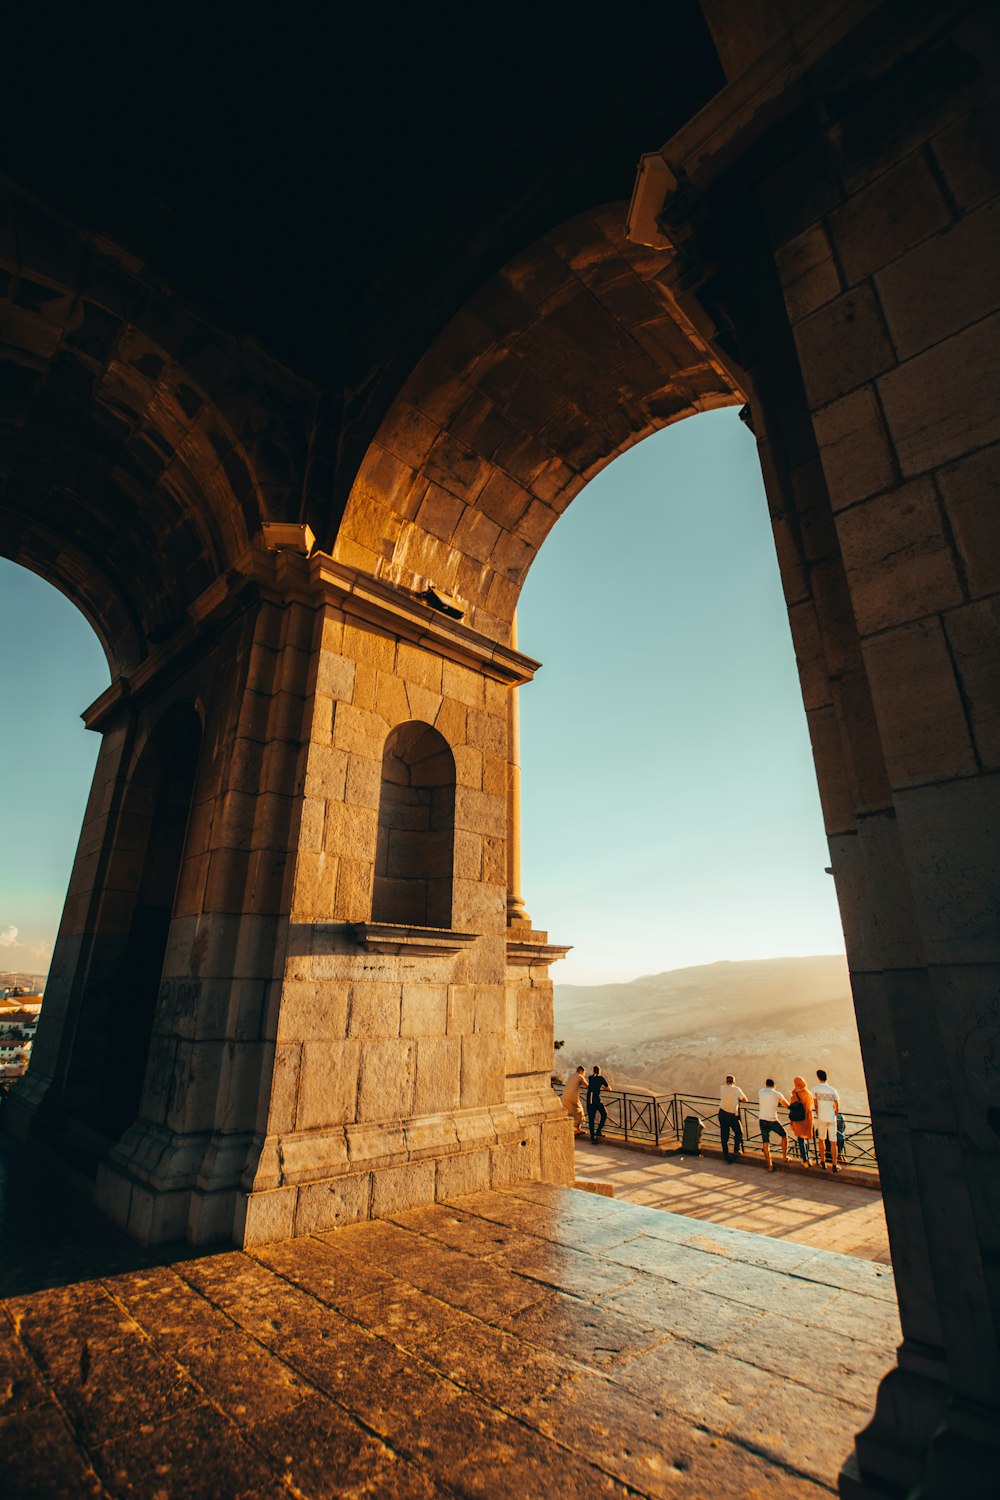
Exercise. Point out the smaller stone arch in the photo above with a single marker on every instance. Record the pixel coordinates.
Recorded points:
(415, 852)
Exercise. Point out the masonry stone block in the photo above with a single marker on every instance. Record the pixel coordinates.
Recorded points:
(943, 284)
(461, 1009)
(482, 1069)
(266, 1217)
(424, 1010)
(438, 1075)
(422, 703)
(468, 1172)
(842, 346)
(854, 448)
(246, 1009)
(239, 1087)
(364, 782)
(519, 1161)
(488, 731)
(385, 1082)
(810, 658)
(365, 643)
(491, 1007)
(898, 559)
(311, 1155)
(397, 1188)
(312, 1010)
(359, 731)
(883, 221)
(809, 274)
(335, 676)
(431, 1135)
(328, 1084)
(312, 824)
(837, 792)
(918, 705)
(374, 1009)
(462, 685)
(326, 773)
(529, 1050)
(949, 836)
(941, 404)
(970, 489)
(327, 1205)
(315, 885)
(556, 1151)
(468, 766)
(974, 637)
(376, 1144)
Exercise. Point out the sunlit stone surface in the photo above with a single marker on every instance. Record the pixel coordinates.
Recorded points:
(510, 1339)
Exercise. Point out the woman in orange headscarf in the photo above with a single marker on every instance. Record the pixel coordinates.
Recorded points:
(800, 1117)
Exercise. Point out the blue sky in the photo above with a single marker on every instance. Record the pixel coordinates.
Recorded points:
(670, 814)
(669, 808)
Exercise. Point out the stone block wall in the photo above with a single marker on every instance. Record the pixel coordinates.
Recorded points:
(846, 259)
(389, 1082)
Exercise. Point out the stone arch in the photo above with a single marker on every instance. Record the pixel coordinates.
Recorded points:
(141, 451)
(575, 351)
(414, 859)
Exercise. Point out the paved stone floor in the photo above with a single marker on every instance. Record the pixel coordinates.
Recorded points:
(512, 1344)
(811, 1208)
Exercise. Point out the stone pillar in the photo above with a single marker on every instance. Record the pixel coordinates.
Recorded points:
(389, 1085)
(516, 910)
(847, 271)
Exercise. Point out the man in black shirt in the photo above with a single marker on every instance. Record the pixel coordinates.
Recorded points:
(595, 1083)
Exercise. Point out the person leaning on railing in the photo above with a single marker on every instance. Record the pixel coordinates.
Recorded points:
(800, 1117)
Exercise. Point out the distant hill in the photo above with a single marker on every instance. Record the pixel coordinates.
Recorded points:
(684, 1030)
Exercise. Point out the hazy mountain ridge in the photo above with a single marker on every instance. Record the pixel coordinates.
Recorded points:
(685, 1029)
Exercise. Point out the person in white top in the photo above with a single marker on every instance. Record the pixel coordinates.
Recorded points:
(571, 1097)
(827, 1104)
(731, 1096)
(770, 1099)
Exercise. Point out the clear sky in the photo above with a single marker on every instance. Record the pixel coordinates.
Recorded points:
(669, 806)
(51, 667)
(670, 814)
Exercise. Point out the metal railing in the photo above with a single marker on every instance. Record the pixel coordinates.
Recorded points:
(658, 1120)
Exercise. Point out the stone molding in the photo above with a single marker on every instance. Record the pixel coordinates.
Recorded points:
(285, 577)
(524, 951)
(396, 937)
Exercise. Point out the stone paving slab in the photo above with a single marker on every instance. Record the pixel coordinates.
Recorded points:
(508, 1343)
(802, 1207)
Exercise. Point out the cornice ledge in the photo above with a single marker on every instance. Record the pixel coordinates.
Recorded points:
(528, 950)
(396, 937)
(394, 608)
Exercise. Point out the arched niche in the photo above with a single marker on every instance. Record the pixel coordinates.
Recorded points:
(416, 829)
(112, 1046)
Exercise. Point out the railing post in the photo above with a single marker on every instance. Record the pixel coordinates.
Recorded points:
(625, 1114)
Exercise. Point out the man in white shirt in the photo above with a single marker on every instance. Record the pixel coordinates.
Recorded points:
(770, 1098)
(571, 1097)
(731, 1096)
(827, 1103)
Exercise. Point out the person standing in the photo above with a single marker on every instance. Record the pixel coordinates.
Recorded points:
(595, 1083)
(827, 1102)
(800, 1117)
(731, 1096)
(571, 1097)
(770, 1100)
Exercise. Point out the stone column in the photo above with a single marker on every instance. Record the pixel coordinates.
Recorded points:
(516, 910)
(850, 270)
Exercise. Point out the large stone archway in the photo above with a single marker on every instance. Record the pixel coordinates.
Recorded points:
(823, 248)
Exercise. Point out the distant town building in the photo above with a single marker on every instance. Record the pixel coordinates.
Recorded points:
(18, 1024)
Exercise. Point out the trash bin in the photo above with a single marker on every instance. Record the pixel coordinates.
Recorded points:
(691, 1135)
